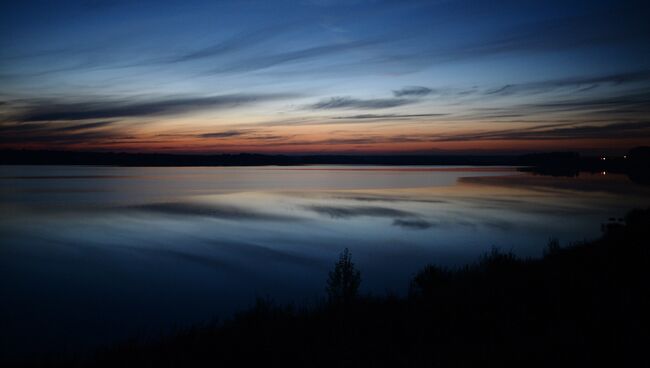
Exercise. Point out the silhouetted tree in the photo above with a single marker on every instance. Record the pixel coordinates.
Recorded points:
(429, 281)
(553, 247)
(344, 279)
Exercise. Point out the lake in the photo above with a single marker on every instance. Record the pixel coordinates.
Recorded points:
(89, 255)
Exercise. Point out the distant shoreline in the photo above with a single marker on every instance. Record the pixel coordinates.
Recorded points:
(46, 157)
(634, 164)
(546, 159)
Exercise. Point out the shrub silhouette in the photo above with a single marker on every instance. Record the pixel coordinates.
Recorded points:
(552, 248)
(430, 281)
(344, 280)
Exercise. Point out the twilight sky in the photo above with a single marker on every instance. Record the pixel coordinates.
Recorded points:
(325, 76)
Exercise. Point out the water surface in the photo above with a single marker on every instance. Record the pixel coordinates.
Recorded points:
(94, 254)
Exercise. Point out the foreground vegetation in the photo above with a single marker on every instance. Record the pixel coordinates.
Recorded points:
(583, 304)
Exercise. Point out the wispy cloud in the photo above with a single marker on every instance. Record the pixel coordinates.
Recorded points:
(264, 61)
(58, 133)
(505, 88)
(387, 116)
(546, 35)
(578, 83)
(412, 91)
(354, 103)
(241, 41)
(404, 96)
(78, 127)
(58, 139)
(16, 128)
(575, 107)
(224, 134)
(48, 111)
(608, 131)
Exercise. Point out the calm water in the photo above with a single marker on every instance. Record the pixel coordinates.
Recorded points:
(93, 254)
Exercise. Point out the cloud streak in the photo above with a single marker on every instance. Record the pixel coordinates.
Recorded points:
(59, 133)
(589, 29)
(387, 116)
(45, 111)
(239, 42)
(266, 61)
(354, 103)
(580, 83)
(412, 91)
(625, 130)
(224, 134)
(49, 127)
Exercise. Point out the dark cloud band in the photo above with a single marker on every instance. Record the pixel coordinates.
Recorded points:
(38, 111)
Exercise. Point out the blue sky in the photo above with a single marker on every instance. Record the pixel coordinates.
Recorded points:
(325, 76)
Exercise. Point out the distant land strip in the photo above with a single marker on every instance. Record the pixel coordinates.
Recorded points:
(553, 163)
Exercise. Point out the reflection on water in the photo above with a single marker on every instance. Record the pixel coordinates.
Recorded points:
(108, 252)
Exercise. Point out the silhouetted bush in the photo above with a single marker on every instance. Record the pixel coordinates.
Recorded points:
(429, 282)
(552, 248)
(344, 280)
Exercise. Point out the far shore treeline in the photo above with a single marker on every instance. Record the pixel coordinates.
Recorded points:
(638, 155)
(634, 163)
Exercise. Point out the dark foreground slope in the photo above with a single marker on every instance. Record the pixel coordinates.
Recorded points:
(584, 304)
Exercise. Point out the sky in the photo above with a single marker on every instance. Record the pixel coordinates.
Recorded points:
(325, 76)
